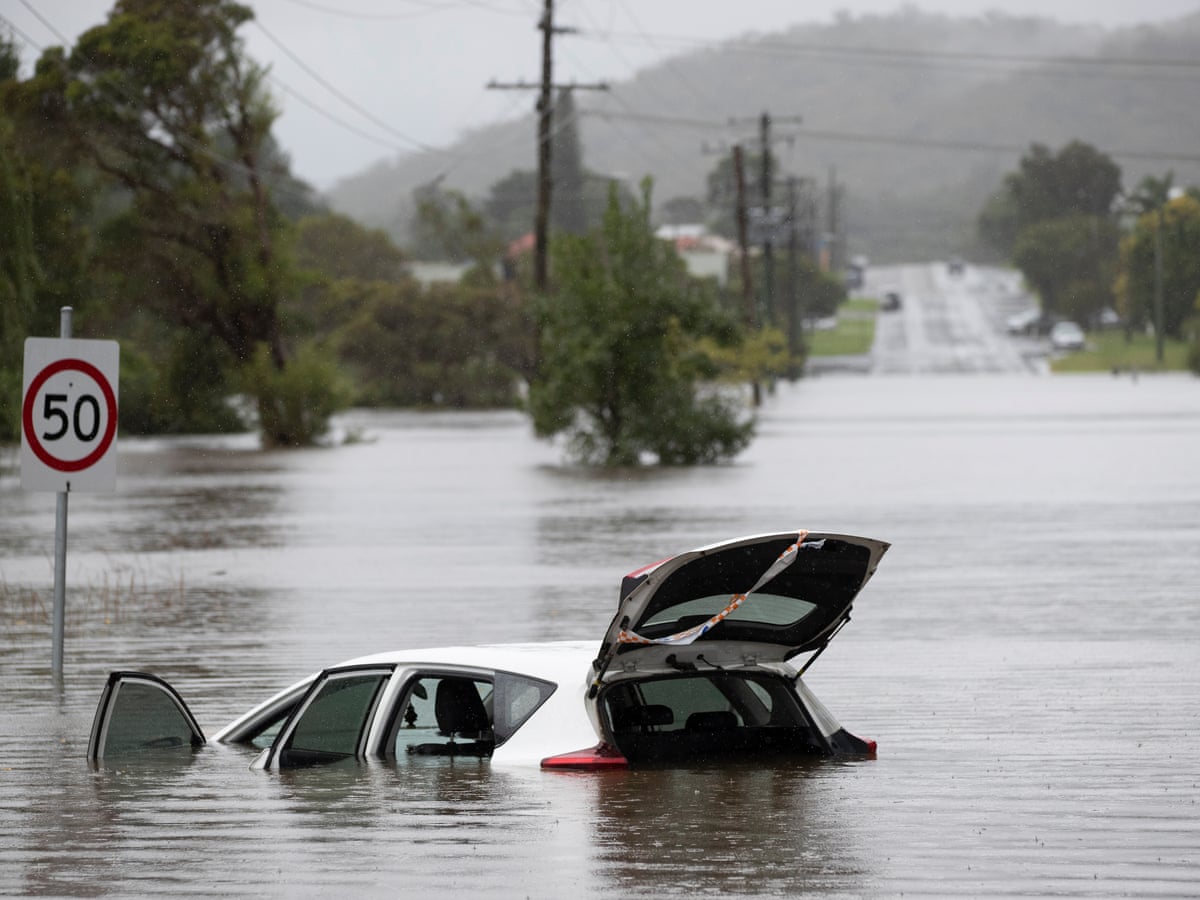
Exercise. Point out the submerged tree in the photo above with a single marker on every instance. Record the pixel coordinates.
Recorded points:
(621, 368)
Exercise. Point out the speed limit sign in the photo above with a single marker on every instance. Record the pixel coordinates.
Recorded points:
(69, 415)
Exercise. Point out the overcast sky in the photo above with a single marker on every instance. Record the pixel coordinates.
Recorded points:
(363, 80)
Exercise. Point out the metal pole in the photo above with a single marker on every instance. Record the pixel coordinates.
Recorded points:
(60, 547)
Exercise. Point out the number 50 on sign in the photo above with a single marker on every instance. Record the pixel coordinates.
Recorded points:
(69, 415)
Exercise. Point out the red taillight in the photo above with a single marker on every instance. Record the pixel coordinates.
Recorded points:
(602, 756)
(871, 747)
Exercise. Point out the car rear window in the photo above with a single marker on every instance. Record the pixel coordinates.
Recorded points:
(769, 609)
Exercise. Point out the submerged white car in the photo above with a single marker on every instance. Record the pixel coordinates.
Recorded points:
(697, 663)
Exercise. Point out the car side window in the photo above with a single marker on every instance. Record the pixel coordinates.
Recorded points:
(443, 715)
(331, 726)
(517, 697)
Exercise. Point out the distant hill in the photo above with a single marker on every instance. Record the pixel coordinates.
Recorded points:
(918, 117)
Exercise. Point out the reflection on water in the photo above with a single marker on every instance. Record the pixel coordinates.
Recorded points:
(1026, 655)
(730, 830)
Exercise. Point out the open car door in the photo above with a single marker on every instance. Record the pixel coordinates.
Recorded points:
(140, 713)
(333, 720)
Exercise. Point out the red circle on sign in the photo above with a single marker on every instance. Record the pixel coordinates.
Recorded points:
(110, 403)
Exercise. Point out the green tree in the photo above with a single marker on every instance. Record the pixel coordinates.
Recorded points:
(1070, 262)
(721, 190)
(338, 247)
(162, 101)
(448, 346)
(43, 246)
(1179, 221)
(1078, 180)
(510, 203)
(621, 365)
(448, 227)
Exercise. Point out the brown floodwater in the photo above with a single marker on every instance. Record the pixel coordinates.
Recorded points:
(1027, 656)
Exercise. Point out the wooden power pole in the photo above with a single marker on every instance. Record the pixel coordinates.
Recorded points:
(545, 131)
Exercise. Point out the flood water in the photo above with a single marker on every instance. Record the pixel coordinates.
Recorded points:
(1027, 655)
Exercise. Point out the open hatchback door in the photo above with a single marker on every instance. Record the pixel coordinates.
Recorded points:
(139, 712)
(763, 598)
(695, 663)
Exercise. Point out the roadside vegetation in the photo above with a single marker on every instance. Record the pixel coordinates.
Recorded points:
(1088, 247)
(1112, 351)
(140, 184)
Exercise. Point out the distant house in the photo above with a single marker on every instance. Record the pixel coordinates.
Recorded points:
(705, 255)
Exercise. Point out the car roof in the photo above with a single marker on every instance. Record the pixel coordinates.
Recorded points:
(552, 660)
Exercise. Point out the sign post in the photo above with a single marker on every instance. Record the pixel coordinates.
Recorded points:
(68, 434)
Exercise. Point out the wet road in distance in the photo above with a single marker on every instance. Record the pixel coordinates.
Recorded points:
(950, 323)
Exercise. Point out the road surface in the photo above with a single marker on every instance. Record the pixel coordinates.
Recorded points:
(947, 323)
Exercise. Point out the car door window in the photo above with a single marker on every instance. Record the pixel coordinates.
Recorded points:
(137, 713)
(444, 715)
(333, 722)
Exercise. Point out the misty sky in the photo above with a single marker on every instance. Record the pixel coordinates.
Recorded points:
(363, 80)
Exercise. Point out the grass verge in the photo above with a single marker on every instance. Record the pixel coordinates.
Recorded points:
(1108, 351)
(854, 333)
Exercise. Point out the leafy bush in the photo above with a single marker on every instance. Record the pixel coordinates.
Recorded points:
(296, 402)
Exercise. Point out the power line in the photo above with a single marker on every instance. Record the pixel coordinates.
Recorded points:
(771, 47)
(889, 140)
(426, 7)
(353, 104)
(25, 38)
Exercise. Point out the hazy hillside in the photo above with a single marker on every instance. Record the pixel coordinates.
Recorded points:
(919, 116)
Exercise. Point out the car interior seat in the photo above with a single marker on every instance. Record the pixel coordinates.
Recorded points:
(460, 714)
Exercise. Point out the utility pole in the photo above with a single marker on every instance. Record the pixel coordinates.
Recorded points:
(767, 220)
(545, 131)
(834, 223)
(795, 310)
(739, 176)
(764, 138)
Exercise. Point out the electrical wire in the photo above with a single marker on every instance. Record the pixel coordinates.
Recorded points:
(428, 6)
(333, 89)
(892, 140)
(774, 47)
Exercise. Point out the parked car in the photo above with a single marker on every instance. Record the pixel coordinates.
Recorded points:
(697, 662)
(1024, 322)
(1067, 336)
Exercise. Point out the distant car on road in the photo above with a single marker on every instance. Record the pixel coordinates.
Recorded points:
(1067, 336)
(1024, 322)
(891, 301)
(956, 266)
